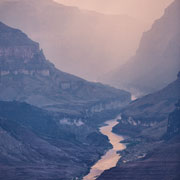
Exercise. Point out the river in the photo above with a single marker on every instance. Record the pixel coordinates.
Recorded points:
(111, 157)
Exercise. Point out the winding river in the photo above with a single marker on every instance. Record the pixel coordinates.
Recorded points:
(111, 157)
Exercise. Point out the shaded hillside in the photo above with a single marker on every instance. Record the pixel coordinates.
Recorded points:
(75, 40)
(36, 144)
(162, 163)
(26, 75)
(153, 146)
(150, 110)
(157, 60)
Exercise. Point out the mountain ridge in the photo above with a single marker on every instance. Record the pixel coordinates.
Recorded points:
(157, 56)
(75, 40)
(151, 127)
(26, 75)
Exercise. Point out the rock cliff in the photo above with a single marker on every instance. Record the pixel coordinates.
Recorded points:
(26, 75)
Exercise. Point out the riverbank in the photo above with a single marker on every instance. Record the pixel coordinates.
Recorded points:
(112, 156)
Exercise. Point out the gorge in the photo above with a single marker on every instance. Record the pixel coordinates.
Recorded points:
(112, 156)
(48, 118)
(58, 126)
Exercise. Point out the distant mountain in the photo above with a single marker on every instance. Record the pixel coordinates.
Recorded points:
(84, 43)
(157, 60)
(26, 76)
(152, 128)
(36, 144)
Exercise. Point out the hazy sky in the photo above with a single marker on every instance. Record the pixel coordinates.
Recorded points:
(146, 10)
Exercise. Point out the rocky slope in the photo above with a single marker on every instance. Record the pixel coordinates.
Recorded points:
(150, 111)
(75, 40)
(154, 141)
(158, 56)
(36, 144)
(61, 143)
(26, 75)
(161, 163)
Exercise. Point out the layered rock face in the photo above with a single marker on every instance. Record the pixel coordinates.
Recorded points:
(27, 76)
(157, 60)
(19, 54)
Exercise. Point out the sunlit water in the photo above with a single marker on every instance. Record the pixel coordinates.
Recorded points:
(111, 158)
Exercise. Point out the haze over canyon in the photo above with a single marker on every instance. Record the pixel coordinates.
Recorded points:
(57, 122)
